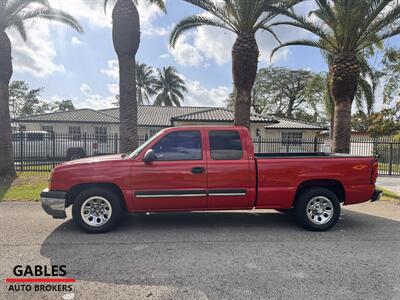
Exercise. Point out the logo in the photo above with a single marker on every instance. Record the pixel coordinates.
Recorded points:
(40, 278)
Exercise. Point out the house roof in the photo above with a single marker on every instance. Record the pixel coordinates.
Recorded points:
(158, 116)
(285, 123)
(219, 115)
(148, 115)
(84, 115)
(164, 116)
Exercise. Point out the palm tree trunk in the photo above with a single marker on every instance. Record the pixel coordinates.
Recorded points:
(342, 127)
(139, 95)
(127, 104)
(343, 75)
(244, 69)
(7, 168)
(126, 39)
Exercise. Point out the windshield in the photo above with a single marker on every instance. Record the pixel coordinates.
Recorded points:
(138, 150)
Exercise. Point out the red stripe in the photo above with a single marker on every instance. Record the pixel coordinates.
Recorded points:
(30, 280)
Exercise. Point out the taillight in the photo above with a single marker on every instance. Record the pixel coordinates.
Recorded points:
(374, 174)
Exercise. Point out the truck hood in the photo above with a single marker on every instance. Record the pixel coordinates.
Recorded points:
(95, 159)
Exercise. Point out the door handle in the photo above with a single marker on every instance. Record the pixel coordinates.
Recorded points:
(198, 170)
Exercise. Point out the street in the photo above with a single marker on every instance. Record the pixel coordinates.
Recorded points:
(224, 255)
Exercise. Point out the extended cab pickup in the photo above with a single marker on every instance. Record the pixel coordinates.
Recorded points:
(208, 168)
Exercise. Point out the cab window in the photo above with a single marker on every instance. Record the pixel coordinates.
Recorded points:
(225, 145)
(182, 145)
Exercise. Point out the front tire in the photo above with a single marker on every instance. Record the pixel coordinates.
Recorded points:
(317, 209)
(97, 210)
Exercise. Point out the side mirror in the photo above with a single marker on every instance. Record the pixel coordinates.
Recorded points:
(149, 156)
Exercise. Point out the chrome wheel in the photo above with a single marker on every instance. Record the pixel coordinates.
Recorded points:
(96, 211)
(320, 210)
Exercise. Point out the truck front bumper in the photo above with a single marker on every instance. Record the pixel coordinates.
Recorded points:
(376, 196)
(53, 203)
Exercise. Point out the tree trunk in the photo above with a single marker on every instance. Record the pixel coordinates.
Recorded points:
(7, 168)
(139, 95)
(126, 39)
(244, 69)
(343, 75)
(342, 127)
(127, 104)
(289, 112)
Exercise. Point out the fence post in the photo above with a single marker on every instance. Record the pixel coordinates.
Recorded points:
(391, 159)
(315, 144)
(21, 150)
(115, 143)
(53, 136)
(259, 144)
(84, 143)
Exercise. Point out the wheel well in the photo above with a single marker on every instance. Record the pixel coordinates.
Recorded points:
(334, 186)
(76, 189)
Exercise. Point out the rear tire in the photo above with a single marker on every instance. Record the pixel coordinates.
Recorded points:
(97, 210)
(317, 209)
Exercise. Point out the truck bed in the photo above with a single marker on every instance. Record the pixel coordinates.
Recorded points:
(304, 155)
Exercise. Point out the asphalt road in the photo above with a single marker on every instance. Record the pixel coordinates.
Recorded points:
(206, 256)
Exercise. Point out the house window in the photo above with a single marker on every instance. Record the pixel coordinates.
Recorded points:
(292, 138)
(101, 134)
(74, 132)
(48, 128)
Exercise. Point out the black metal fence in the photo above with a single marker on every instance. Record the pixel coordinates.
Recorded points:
(41, 151)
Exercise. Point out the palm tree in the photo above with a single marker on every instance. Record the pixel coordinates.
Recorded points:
(169, 87)
(14, 14)
(145, 81)
(244, 18)
(126, 39)
(346, 29)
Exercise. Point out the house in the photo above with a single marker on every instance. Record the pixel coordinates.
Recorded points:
(154, 118)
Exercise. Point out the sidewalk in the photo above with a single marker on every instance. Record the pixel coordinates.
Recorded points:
(391, 183)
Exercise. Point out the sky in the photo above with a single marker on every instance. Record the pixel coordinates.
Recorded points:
(84, 67)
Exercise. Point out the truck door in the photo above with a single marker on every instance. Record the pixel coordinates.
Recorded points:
(228, 170)
(177, 180)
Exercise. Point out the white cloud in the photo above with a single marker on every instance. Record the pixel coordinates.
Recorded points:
(76, 41)
(112, 69)
(93, 11)
(165, 56)
(208, 44)
(113, 88)
(199, 95)
(97, 101)
(85, 89)
(187, 54)
(36, 56)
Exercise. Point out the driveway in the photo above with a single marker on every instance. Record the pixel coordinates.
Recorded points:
(391, 183)
(225, 255)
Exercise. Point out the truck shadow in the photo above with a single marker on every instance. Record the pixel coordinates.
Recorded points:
(198, 249)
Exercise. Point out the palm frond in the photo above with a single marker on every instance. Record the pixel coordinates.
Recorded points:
(42, 11)
(310, 43)
(193, 22)
(20, 27)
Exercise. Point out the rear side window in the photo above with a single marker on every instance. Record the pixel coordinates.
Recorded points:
(225, 145)
(182, 145)
(34, 136)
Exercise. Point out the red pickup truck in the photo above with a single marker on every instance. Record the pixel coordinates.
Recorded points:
(208, 168)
